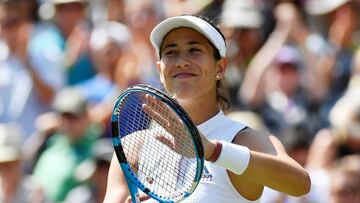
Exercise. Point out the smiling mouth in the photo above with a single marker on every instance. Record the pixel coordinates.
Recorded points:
(184, 75)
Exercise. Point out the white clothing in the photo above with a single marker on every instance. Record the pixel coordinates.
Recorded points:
(215, 185)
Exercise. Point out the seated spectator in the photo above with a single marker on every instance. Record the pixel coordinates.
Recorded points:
(68, 147)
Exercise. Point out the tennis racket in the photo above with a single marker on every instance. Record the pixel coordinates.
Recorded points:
(158, 146)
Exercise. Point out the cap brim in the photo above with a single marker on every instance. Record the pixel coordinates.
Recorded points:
(159, 32)
(321, 7)
(8, 154)
(244, 19)
(67, 1)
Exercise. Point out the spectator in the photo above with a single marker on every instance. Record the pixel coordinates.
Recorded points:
(116, 66)
(29, 74)
(335, 40)
(95, 172)
(15, 186)
(109, 42)
(70, 36)
(242, 21)
(280, 98)
(345, 180)
(68, 147)
(342, 138)
(281, 70)
(141, 18)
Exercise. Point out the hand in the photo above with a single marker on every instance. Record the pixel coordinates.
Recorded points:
(77, 44)
(143, 197)
(170, 121)
(342, 26)
(23, 37)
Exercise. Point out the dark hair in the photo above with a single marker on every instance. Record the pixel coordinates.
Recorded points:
(221, 90)
(217, 55)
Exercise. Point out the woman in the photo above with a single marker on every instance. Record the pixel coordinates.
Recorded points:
(239, 161)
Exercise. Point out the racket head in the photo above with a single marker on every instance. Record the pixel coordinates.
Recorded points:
(154, 166)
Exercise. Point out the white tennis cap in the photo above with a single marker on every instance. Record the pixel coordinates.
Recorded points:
(320, 7)
(158, 33)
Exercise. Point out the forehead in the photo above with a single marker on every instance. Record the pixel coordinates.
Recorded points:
(185, 34)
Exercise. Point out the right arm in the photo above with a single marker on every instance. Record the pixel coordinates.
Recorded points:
(117, 190)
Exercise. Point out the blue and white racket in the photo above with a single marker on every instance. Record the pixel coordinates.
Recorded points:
(158, 146)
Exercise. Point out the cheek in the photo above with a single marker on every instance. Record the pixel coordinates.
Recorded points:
(161, 70)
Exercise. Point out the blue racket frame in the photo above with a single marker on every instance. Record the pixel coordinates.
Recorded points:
(133, 182)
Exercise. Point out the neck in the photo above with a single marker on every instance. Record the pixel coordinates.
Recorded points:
(200, 110)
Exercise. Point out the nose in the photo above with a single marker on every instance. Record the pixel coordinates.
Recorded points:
(182, 61)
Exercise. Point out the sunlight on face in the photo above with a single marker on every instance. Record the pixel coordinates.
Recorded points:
(187, 67)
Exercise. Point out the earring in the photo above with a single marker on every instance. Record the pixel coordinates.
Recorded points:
(217, 77)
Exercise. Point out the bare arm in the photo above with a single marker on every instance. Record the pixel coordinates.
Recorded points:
(323, 149)
(253, 88)
(44, 91)
(270, 166)
(117, 190)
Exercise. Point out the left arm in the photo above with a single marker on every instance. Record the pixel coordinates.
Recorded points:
(270, 165)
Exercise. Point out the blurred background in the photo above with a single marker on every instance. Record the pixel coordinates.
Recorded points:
(294, 71)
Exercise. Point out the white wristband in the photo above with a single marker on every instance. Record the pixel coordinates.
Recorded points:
(234, 157)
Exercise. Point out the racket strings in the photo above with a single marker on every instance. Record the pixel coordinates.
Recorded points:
(166, 171)
(175, 126)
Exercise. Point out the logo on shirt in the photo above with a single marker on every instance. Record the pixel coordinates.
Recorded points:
(206, 175)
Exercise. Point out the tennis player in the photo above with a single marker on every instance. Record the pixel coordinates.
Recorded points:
(240, 161)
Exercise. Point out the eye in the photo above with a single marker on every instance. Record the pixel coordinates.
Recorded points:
(194, 49)
(170, 52)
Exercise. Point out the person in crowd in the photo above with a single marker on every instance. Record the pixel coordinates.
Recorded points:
(95, 172)
(15, 185)
(336, 23)
(116, 66)
(68, 147)
(242, 23)
(29, 75)
(345, 180)
(274, 83)
(68, 35)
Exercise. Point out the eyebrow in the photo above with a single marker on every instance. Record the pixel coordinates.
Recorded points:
(169, 46)
(174, 45)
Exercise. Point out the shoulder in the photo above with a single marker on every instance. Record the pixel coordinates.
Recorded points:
(255, 140)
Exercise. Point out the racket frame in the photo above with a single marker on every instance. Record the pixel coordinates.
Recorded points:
(131, 178)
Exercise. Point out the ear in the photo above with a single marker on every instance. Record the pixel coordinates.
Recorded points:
(158, 67)
(221, 66)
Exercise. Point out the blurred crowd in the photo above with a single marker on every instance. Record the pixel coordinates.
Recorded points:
(293, 70)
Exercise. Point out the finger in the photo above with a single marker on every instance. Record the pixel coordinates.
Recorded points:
(167, 141)
(144, 197)
(163, 109)
(128, 200)
(156, 116)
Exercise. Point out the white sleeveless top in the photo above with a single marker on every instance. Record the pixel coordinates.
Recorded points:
(215, 185)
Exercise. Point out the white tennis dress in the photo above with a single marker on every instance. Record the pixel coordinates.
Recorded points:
(215, 185)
